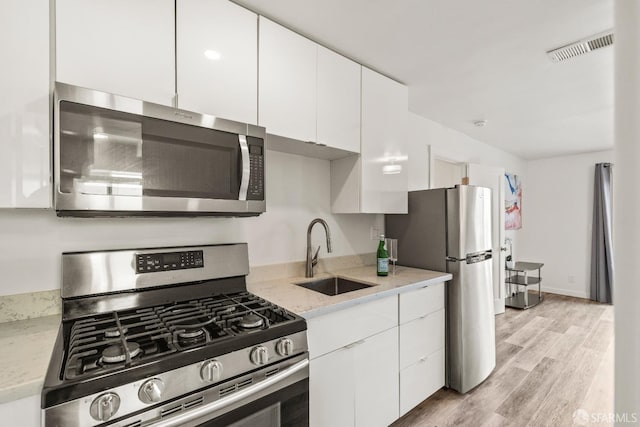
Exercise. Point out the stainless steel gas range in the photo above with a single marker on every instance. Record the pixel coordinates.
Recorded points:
(171, 337)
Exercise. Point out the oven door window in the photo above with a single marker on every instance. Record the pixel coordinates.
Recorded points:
(108, 152)
(287, 407)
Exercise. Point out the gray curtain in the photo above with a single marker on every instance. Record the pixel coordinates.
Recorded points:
(601, 243)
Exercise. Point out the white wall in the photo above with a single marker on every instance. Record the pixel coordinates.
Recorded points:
(626, 205)
(31, 241)
(451, 145)
(557, 220)
(454, 146)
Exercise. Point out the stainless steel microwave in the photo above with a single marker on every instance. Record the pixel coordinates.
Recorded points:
(117, 156)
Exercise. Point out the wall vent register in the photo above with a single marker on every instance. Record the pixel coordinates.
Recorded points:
(581, 47)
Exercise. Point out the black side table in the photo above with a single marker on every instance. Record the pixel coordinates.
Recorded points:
(519, 276)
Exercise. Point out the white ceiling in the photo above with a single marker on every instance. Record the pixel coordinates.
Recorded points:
(471, 60)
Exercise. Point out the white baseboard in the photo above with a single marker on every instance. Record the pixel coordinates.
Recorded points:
(567, 292)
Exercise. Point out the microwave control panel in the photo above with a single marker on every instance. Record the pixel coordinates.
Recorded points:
(151, 263)
(256, 164)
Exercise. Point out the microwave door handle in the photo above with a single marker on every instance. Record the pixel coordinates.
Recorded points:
(246, 167)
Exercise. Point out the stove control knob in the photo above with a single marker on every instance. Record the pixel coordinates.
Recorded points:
(104, 406)
(259, 355)
(285, 347)
(151, 391)
(211, 371)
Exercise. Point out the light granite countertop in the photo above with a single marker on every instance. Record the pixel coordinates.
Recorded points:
(25, 350)
(308, 303)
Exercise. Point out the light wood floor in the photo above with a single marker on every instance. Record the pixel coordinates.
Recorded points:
(552, 360)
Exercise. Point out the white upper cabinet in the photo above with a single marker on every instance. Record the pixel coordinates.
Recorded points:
(24, 106)
(385, 145)
(377, 181)
(217, 59)
(287, 76)
(125, 47)
(338, 112)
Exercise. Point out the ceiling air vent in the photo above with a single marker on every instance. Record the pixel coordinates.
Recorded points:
(581, 47)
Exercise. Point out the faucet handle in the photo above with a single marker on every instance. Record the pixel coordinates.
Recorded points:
(314, 260)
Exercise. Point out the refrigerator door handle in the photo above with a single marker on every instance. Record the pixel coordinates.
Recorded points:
(473, 258)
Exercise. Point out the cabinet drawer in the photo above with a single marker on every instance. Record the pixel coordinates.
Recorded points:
(334, 330)
(421, 337)
(421, 380)
(423, 301)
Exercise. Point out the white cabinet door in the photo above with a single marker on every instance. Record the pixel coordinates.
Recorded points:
(287, 82)
(377, 379)
(338, 101)
(384, 144)
(23, 412)
(24, 106)
(421, 337)
(421, 380)
(125, 47)
(423, 301)
(377, 181)
(344, 327)
(217, 59)
(331, 389)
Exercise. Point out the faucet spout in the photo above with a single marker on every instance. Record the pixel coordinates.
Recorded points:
(313, 259)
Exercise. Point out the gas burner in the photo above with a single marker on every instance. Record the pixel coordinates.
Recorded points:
(114, 332)
(116, 353)
(191, 334)
(191, 337)
(251, 321)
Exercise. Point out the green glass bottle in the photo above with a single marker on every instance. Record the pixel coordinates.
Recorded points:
(383, 258)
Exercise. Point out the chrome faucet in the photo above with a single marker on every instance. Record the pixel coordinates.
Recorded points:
(311, 261)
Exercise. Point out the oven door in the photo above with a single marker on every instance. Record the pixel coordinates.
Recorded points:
(115, 154)
(286, 407)
(282, 399)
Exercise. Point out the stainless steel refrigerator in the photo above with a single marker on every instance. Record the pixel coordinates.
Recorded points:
(449, 229)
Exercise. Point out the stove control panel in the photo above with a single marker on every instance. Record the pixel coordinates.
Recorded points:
(167, 261)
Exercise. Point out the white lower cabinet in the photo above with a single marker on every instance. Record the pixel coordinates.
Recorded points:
(421, 380)
(23, 412)
(331, 389)
(422, 342)
(373, 362)
(353, 375)
(376, 379)
(356, 385)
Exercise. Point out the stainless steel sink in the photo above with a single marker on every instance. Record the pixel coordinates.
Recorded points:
(333, 285)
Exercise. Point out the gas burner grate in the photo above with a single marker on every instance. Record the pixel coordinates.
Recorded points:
(164, 329)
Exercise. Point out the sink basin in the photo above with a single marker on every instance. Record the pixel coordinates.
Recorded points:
(333, 285)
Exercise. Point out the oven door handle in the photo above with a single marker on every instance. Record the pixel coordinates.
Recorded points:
(246, 167)
(219, 404)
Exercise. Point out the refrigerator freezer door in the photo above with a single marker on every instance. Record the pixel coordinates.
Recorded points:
(468, 220)
(471, 352)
